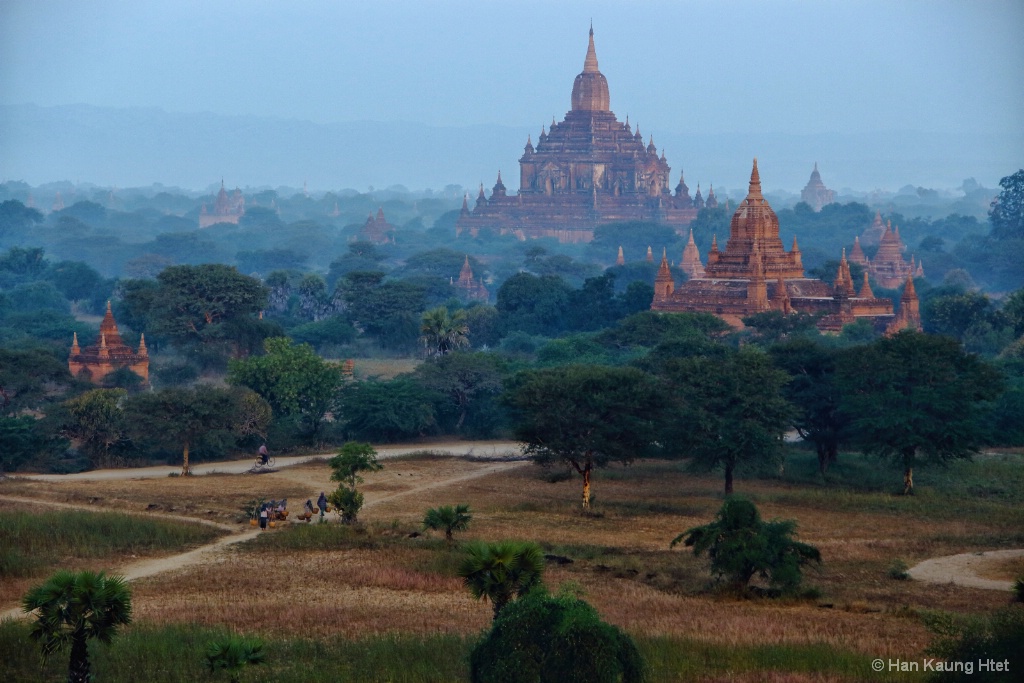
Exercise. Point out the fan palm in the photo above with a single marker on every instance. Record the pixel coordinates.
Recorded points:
(442, 332)
(448, 519)
(500, 571)
(233, 652)
(72, 608)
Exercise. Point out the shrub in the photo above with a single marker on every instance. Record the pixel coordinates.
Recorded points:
(541, 638)
(996, 637)
(740, 545)
(898, 570)
(448, 519)
(233, 652)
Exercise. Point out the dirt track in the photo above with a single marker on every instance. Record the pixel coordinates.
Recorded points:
(498, 451)
(962, 569)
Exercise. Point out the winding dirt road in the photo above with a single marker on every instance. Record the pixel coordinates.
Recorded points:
(501, 452)
(962, 569)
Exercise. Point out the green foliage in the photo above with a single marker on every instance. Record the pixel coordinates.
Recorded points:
(73, 608)
(649, 329)
(585, 416)
(1007, 213)
(27, 378)
(558, 639)
(292, 378)
(468, 382)
(898, 570)
(25, 440)
(448, 518)
(347, 503)
(996, 637)
(913, 396)
(726, 411)
(233, 652)
(534, 305)
(353, 458)
(501, 571)
(97, 419)
(1018, 589)
(442, 332)
(741, 545)
(386, 411)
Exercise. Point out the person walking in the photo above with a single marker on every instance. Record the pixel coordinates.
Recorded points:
(321, 503)
(263, 518)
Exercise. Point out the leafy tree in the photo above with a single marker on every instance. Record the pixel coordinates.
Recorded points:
(327, 333)
(531, 304)
(72, 608)
(483, 323)
(448, 519)
(741, 545)
(813, 391)
(27, 378)
(22, 264)
(97, 420)
(501, 571)
(648, 329)
(75, 280)
(292, 378)
(1007, 212)
(915, 396)
(443, 332)
(585, 416)
(179, 417)
(386, 411)
(726, 410)
(353, 458)
(24, 438)
(193, 301)
(16, 218)
(995, 637)
(233, 652)
(464, 378)
(554, 639)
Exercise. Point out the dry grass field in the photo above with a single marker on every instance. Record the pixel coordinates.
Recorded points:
(387, 577)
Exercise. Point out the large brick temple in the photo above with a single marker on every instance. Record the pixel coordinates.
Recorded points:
(587, 170)
(108, 354)
(755, 274)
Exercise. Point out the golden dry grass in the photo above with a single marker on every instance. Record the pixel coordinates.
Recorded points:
(621, 557)
(1003, 570)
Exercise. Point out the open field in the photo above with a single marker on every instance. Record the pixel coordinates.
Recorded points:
(330, 587)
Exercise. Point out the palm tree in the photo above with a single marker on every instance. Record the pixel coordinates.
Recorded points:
(74, 607)
(500, 571)
(233, 652)
(448, 518)
(443, 332)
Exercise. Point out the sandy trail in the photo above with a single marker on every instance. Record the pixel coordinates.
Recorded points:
(962, 569)
(211, 551)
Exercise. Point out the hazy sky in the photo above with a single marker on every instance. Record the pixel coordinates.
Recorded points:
(715, 66)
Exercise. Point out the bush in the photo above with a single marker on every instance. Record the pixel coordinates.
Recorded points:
(997, 638)
(740, 545)
(898, 570)
(543, 638)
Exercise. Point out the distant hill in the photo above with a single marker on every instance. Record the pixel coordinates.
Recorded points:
(139, 146)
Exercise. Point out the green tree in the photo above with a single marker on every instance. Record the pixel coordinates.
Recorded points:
(448, 518)
(501, 571)
(29, 378)
(25, 439)
(1007, 213)
(813, 391)
(353, 458)
(914, 397)
(531, 304)
(442, 332)
(71, 609)
(741, 545)
(464, 379)
(386, 411)
(193, 302)
(292, 378)
(726, 410)
(231, 653)
(96, 418)
(179, 417)
(554, 639)
(585, 416)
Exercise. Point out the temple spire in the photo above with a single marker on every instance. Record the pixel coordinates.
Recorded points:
(74, 344)
(755, 181)
(590, 63)
(620, 260)
(865, 289)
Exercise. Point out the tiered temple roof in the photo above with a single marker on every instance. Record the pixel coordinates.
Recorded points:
(815, 194)
(888, 267)
(587, 170)
(755, 274)
(469, 288)
(377, 229)
(226, 208)
(690, 262)
(873, 235)
(108, 354)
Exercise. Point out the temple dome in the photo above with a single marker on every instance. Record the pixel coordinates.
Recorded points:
(590, 89)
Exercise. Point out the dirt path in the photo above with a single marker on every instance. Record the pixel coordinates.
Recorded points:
(481, 449)
(962, 570)
(211, 552)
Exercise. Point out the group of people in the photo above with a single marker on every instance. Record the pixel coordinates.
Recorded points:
(321, 507)
(272, 510)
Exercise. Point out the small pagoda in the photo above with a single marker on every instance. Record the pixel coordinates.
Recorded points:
(377, 229)
(815, 194)
(469, 288)
(108, 354)
(227, 208)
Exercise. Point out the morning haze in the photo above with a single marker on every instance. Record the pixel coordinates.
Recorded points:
(426, 94)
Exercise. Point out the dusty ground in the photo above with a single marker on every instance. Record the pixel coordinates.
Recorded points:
(389, 581)
(970, 569)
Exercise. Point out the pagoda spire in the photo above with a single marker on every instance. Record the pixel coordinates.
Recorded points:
(865, 289)
(650, 255)
(620, 260)
(143, 351)
(75, 350)
(590, 63)
(755, 182)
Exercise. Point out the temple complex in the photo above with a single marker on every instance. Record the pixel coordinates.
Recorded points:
(226, 208)
(887, 267)
(468, 288)
(755, 274)
(873, 235)
(108, 354)
(815, 194)
(587, 170)
(377, 229)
